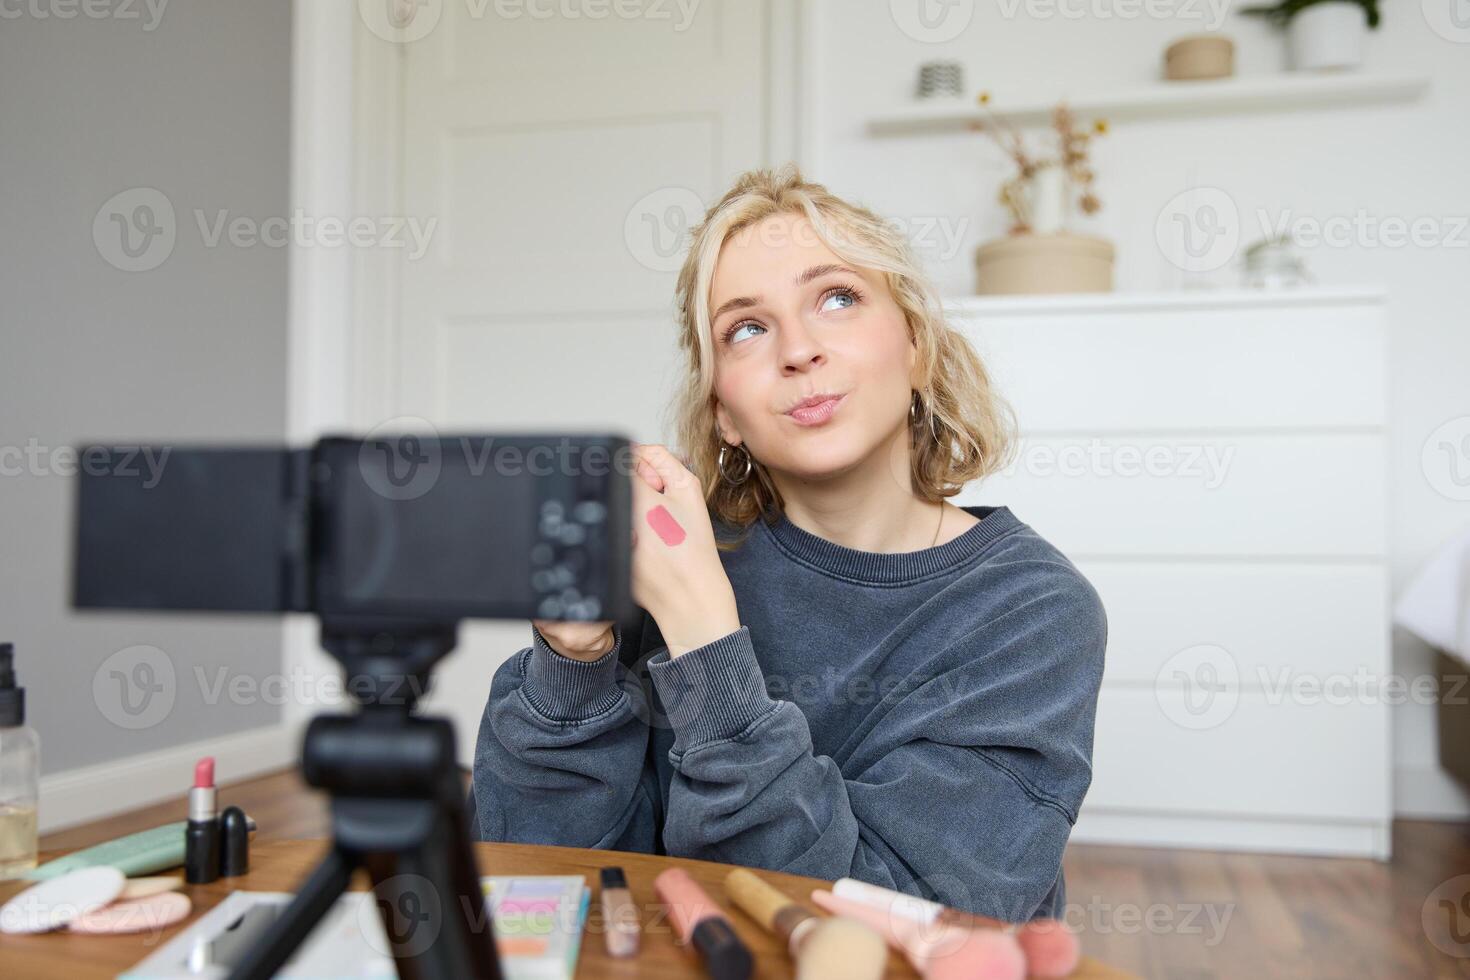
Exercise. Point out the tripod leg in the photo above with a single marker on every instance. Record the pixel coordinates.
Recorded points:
(434, 909)
(266, 956)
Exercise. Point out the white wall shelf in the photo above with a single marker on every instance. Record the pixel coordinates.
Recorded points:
(1162, 100)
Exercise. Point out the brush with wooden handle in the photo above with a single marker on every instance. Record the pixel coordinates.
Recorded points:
(837, 948)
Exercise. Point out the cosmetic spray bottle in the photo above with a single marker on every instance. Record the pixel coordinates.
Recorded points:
(20, 774)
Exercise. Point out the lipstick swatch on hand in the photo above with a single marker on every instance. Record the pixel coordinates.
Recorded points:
(664, 525)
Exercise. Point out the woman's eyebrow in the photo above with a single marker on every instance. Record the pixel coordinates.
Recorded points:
(816, 271)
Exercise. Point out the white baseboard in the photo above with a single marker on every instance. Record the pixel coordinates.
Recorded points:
(1428, 793)
(109, 788)
(1364, 839)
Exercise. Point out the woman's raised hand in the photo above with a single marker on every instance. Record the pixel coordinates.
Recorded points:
(677, 573)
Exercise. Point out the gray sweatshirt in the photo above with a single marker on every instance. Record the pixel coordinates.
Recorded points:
(922, 721)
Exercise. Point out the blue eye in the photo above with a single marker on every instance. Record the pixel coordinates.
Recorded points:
(846, 294)
(732, 334)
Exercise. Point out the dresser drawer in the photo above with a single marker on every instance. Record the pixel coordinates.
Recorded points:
(1244, 495)
(1262, 756)
(1275, 622)
(1248, 364)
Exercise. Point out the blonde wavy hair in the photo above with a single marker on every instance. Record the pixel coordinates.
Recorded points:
(961, 429)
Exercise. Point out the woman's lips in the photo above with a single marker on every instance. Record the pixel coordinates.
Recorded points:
(815, 414)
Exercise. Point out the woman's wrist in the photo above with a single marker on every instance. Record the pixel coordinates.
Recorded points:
(698, 621)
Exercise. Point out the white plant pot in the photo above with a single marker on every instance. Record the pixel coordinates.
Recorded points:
(1047, 191)
(1327, 36)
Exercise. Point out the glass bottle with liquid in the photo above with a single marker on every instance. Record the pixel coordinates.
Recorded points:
(20, 774)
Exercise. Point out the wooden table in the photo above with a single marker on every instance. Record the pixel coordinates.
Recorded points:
(281, 865)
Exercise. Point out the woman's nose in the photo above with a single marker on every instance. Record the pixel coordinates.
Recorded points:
(800, 351)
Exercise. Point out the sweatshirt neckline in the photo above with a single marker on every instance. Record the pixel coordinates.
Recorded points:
(881, 568)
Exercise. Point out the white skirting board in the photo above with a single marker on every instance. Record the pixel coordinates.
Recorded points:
(109, 788)
(1361, 839)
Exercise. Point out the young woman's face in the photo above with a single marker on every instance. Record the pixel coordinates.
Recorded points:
(791, 320)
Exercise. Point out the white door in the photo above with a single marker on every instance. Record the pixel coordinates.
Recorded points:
(563, 156)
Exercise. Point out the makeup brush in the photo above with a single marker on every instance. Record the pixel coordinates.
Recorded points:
(824, 949)
(938, 951)
(1051, 948)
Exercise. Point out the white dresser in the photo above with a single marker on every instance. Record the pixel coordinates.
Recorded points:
(1214, 463)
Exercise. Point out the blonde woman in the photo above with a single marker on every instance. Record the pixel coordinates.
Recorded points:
(839, 672)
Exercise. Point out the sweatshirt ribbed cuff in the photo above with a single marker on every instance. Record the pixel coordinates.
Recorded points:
(564, 689)
(711, 692)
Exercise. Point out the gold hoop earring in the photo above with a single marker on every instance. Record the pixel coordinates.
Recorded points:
(720, 465)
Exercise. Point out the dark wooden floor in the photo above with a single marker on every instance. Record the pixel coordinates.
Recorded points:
(1157, 913)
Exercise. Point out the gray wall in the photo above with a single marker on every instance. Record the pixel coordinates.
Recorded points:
(197, 107)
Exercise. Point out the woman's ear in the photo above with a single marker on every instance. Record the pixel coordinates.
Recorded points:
(726, 425)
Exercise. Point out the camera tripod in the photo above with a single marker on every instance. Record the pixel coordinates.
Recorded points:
(398, 811)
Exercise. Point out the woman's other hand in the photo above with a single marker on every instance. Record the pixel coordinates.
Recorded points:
(579, 641)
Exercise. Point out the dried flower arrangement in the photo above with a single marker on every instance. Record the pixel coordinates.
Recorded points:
(1071, 157)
